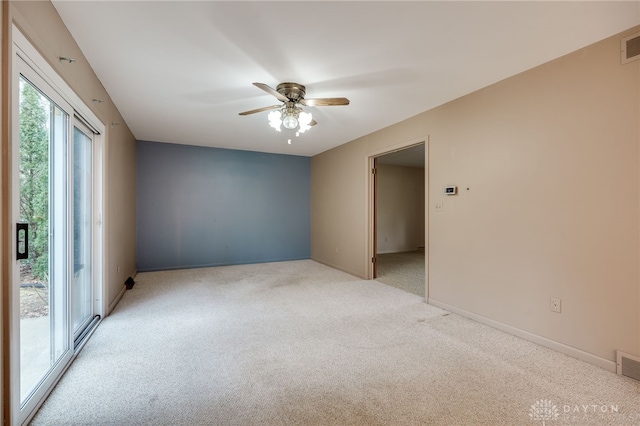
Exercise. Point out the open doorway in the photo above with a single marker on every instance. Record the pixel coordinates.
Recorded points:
(399, 225)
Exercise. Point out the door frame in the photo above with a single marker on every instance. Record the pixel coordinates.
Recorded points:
(371, 204)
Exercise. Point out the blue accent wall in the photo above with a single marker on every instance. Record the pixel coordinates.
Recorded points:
(199, 206)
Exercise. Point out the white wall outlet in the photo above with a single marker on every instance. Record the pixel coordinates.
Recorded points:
(556, 304)
(439, 206)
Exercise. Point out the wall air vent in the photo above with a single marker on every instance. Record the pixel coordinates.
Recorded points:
(627, 365)
(630, 48)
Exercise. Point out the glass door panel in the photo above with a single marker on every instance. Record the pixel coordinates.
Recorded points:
(43, 296)
(82, 225)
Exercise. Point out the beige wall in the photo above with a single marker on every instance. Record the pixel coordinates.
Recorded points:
(551, 161)
(40, 23)
(400, 207)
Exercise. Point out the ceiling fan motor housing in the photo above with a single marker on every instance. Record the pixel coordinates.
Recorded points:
(293, 91)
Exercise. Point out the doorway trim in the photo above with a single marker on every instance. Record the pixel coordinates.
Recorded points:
(370, 207)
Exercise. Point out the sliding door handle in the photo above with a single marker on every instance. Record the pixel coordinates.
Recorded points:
(22, 241)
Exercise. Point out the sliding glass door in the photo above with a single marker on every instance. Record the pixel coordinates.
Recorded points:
(56, 294)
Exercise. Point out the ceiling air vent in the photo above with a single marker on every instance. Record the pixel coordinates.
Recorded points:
(627, 365)
(630, 48)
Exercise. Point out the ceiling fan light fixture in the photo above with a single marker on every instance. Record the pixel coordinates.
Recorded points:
(275, 120)
(304, 120)
(290, 114)
(290, 121)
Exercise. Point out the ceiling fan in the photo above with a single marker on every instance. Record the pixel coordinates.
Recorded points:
(289, 114)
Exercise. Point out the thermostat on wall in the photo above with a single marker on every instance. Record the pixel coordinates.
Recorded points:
(451, 190)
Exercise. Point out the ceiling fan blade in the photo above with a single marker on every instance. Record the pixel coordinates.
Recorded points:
(325, 101)
(272, 91)
(253, 111)
(313, 123)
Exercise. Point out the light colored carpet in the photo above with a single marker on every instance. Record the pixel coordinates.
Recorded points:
(402, 270)
(299, 343)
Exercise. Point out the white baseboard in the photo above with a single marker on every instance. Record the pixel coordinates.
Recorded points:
(339, 268)
(543, 341)
(116, 300)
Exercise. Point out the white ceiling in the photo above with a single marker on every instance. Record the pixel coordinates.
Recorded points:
(180, 72)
